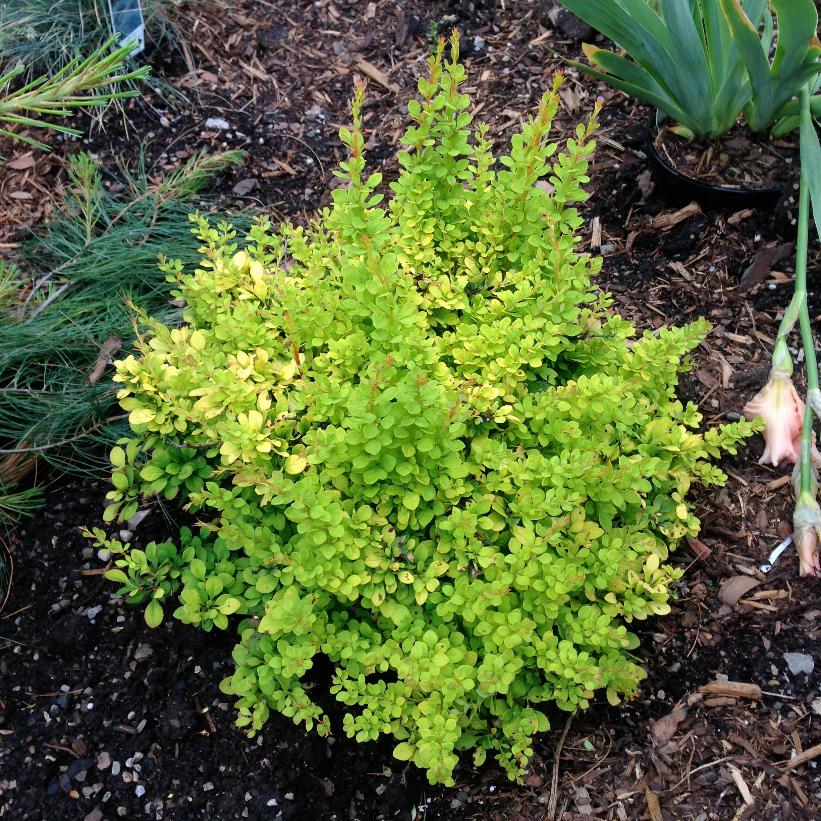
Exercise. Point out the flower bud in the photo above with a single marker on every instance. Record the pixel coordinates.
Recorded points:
(806, 529)
(782, 410)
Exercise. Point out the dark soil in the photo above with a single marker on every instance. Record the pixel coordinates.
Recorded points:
(738, 159)
(86, 684)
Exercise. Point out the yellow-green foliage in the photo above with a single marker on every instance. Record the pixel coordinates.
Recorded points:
(418, 443)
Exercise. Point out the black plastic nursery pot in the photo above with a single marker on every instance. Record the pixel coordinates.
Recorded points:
(680, 188)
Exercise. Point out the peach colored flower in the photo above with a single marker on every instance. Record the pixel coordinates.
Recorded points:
(782, 410)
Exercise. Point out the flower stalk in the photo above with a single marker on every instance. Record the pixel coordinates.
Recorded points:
(807, 528)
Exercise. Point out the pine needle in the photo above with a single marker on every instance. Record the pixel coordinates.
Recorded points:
(96, 256)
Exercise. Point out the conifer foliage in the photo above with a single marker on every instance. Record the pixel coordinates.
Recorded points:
(418, 443)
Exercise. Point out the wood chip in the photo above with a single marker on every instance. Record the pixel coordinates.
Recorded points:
(770, 594)
(595, 233)
(664, 222)
(758, 605)
(653, 806)
(802, 758)
(679, 268)
(739, 216)
(255, 72)
(720, 701)
(741, 784)
(779, 482)
(733, 689)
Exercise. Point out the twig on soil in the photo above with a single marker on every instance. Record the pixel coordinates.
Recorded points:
(802, 758)
(61, 749)
(554, 779)
(15, 612)
(699, 768)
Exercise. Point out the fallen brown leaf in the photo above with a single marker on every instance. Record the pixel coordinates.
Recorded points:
(107, 350)
(377, 75)
(763, 262)
(699, 548)
(22, 162)
(735, 587)
(664, 728)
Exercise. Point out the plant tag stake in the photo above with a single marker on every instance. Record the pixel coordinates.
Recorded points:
(773, 557)
(127, 20)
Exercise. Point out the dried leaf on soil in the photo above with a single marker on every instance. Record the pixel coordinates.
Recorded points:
(735, 587)
(664, 728)
(762, 264)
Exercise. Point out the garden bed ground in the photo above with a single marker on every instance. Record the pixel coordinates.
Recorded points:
(102, 718)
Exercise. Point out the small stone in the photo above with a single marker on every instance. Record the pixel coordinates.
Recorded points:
(115, 767)
(217, 122)
(245, 186)
(143, 651)
(93, 612)
(140, 791)
(208, 786)
(289, 796)
(799, 663)
(136, 520)
(103, 761)
(478, 43)
(570, 26)
(95, 815)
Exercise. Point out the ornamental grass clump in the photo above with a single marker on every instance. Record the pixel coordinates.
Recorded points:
(419, 444)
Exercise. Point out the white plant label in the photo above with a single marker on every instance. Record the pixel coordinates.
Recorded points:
(127, 20)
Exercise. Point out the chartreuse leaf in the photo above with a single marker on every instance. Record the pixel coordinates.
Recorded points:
(153, 613)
